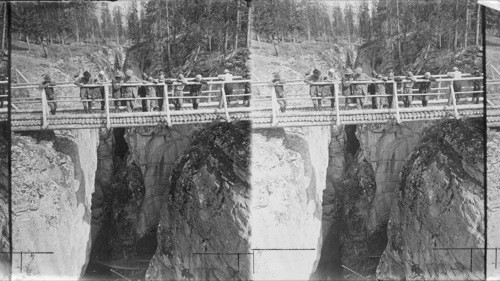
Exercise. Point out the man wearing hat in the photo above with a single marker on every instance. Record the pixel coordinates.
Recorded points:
(142, 92)
(86, 93)
(330, 89)
(407, 88)
(178, 91)
(360, 89)
(130, 92)
(425, 87)
(477, 84)
(457, 85)
(116, 85)
(48, 85)
(315, 90)
(228, 87)
(346, 85)
(159, 90)
(389, 88)
(195, 89)
(376, 89)
(102, 79)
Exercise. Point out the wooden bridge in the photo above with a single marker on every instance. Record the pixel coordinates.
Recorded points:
(31, 111)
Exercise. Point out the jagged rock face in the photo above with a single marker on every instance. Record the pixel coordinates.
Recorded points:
(155, 152)
(5, 266)
(288, 179)
(207, 209)
(439, 205)
(493, 211)
(387, 147)
(52, 182)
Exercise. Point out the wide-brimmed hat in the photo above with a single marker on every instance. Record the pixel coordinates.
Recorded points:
(359, 70)
(118, 73)
(316, 72)
(198, 77)
(87, 74)
(348, 71)
(427, 75)
(226, 70)
(455, 68)
(129, 72)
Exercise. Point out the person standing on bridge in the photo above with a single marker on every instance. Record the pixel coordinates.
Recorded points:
(228, 87)
(457, 84)
(142, 92)
(150, 93)
(116, 85)
(389, 89)
(360, 89)
(477, 84)
(330, 89)
(425, 87)
(377, 89)
(86, 93)
(178, 94)
(347, 86)
(315, 91)
(407, 88)
(195, 89)
(102, 79)
(279, 91)
(130, 92)
(159, 90)
(248, 90)
(48, 85)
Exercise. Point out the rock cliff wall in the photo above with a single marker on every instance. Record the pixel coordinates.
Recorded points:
(439, 205)
(493, 184)
(52, 182)
(206, 209)
(288, 179)
(5, 265)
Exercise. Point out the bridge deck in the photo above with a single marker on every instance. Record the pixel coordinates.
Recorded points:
(264, 113)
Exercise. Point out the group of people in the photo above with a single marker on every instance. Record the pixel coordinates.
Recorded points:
(361, 91)
(126, 90)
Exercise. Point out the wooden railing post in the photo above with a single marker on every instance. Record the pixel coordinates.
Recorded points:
(395, 101)
(224, 103)
(209, 92)
(45, 122)
(454, 101)
(439, 91)
(336, 89)
(106, 106)
(274, 101)
(166, 107)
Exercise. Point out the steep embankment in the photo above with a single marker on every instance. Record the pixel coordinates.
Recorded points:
(288, 179)
(52, 182)
(439, 205)
(5, 265)
(207, 209)
(493, 203)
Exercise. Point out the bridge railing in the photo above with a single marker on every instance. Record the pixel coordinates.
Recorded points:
(166, 89)
(396, 94)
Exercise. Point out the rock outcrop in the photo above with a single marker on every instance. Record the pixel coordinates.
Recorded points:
(439, 205)
(5, 265)
(288, 179)
(52, 182)
(206, 209)
(493, 211)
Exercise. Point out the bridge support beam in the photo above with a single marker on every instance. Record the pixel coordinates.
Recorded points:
(166, 105)
(337, 103)
(395, 101)
(45, 122)
(106, 106)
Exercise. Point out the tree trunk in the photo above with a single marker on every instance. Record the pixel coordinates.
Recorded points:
(249, 24)
(399, 31)
(466, 29)
(4, 25)
(237, 25)
(478, 20)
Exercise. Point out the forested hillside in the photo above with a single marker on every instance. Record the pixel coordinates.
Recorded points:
(172, 36)
(394, 34)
